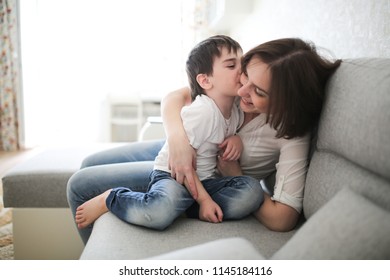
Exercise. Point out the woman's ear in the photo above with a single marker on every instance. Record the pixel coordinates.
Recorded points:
(203, 81)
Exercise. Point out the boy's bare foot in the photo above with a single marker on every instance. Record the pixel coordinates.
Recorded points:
(89, 211)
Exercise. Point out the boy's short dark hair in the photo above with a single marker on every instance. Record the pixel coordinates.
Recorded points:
(201, 59)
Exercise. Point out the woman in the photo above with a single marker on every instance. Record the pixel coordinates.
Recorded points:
(282, 94)
(283, 84)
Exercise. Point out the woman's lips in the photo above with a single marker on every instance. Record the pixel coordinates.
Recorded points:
(246, 103)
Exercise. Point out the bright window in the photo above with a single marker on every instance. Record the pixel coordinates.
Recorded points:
(76, 52)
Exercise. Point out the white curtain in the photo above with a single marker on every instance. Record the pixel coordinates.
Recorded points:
(9, 77)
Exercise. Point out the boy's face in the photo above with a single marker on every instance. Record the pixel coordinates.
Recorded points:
(226, 73)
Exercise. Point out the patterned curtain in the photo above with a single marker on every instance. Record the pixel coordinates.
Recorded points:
(9, 80)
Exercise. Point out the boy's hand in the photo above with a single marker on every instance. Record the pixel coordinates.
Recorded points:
(231, 148)
(210, 212)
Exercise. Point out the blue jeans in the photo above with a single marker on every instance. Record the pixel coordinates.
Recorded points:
(166, 199)
(126, 170)
(127, 166)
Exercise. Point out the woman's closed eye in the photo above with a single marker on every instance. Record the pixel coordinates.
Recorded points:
(260, 92)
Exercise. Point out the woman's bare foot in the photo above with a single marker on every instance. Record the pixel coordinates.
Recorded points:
(89, 211)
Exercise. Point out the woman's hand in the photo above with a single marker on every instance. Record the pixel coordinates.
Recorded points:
(182, 157)
(182, 163)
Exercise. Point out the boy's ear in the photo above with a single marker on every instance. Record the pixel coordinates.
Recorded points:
(203, 81)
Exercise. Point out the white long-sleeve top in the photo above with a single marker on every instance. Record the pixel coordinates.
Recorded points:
(264, 153)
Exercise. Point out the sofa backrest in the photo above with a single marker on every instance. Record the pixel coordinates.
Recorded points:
(352, 149)
(347, 192)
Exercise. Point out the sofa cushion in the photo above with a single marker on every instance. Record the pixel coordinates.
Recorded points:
(347, 227)
(355, 120)
(329, 173)
(134, 242)
(352, 148)
(234, 248)
(41, 181)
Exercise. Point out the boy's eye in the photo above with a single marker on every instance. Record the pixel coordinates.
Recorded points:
(232, 66)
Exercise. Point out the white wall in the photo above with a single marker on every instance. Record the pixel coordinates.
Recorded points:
(71, 65)
(348, 28)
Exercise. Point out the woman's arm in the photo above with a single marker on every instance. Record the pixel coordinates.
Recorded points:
(182, 157)
(281, 213)
(273, 214)
(276, 216)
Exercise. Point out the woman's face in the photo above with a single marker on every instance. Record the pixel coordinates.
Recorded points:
(255, 87)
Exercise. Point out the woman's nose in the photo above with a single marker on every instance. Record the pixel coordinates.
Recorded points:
(244, 88)
(243, 91)
(243, 78)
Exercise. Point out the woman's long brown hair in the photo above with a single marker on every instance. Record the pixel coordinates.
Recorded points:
(297, 87)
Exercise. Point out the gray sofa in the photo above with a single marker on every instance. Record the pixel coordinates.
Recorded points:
(346, 200)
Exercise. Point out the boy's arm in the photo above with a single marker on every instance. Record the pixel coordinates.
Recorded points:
(182, 157)
(209, 210)
(231, 150)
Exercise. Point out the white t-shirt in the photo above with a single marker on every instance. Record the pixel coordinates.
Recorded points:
(206, 128)
(263, 152)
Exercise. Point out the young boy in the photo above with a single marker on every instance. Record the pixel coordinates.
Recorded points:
(213, 69)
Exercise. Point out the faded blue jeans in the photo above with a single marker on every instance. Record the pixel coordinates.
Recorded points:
(152, 199)
(166, 199)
